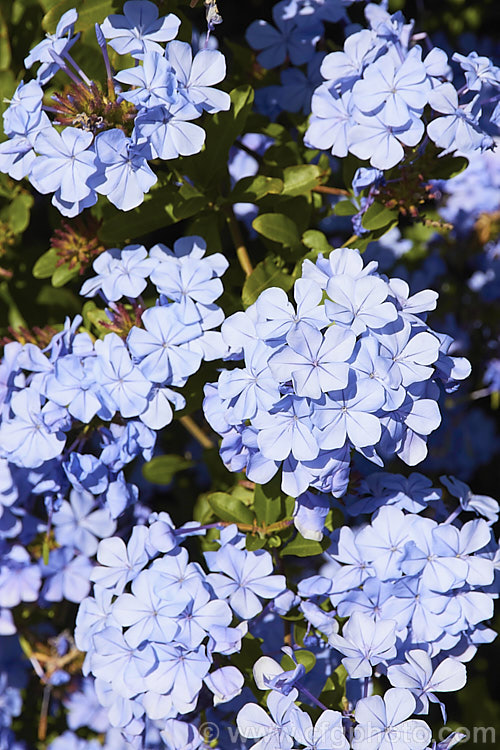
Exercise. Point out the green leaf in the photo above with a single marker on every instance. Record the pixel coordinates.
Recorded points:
(46, 264)
(164, 206)
(280, 156)
(92, 11)
(7, 86)
(64, 273)
(254, 542)
(222, 129)
(228, 508)
(305, 547)
(62, 298)
(267, 501)
(45, 550)
(378, 216)
(19, 212)
(302, 656)
(5, 53)
(316, 241)
(94, 316)
(208, 226)
(278, 228)
(345, 208)
(265, 275)
(54, 10)
(448, 166)
(301, 179)
(334, 689)
(162, 469)
(252, 189)
(89, 12)
(251, 650)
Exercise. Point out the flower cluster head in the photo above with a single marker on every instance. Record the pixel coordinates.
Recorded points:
(381, 96)
(109, 132)
(415, 594)
(124, 385)
(158, 627)
(353, 365)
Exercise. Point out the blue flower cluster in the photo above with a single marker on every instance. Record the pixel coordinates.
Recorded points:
(79, 411)
(354, 365)
(110, 133)
(157, 627)
(472, 192)
(416, 593)
(381, 97)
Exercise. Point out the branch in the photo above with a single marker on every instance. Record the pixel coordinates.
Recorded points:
(196, 432)
(330, 190)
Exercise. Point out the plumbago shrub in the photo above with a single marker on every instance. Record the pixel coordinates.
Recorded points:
(250, 374)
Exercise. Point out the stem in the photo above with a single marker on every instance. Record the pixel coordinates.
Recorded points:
(311, 697)
(481, 393)
(253, 154)
(366, 685)
(101, 41)
(62, 64)
(237, 237)
(454, 514)
(330, 190)
(80, 72)
(44, 711)
(252, 527)
(353, 238)
(196, 432)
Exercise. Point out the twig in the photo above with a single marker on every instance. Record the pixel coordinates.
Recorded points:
(237, 237)
(330, 190)
(196, 432)
(352, 238)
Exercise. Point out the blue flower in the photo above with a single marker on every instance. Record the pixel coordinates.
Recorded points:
(293, 38)
(195, 78)
(479, 71)
(365, 643)
(275, 730)
(161, 347)
(153, 83)
(327, 733)
(65, 164)
(315, 362)
(243, 578)
(120, 562)
(169, 132)
(422, 678)
(350, 414)
(73, 385)
(147, 615)
(287, 429)
(116, 661)
(395, 91)
(80, 523)
(126, 176)
(458, 128)
(121, 273)
(28, 437)
(139, 29)
(383, 723)
(60, 43)
(123, 386)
